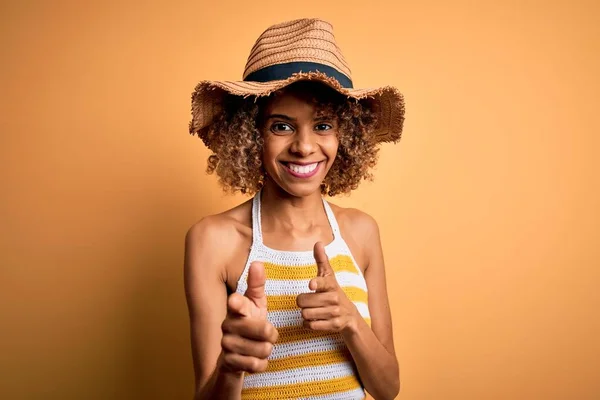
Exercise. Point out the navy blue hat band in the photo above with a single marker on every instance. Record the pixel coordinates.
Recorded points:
(278, 72)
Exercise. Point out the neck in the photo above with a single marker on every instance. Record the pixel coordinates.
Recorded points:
(298, 212)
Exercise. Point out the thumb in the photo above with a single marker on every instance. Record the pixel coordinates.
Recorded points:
(323, 266)
(256, 284)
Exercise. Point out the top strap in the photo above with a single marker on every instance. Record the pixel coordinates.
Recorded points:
(332, 221)
(256, 226)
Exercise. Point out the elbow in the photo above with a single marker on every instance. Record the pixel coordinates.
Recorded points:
(393, 387)
(394, 390)
(388, 392)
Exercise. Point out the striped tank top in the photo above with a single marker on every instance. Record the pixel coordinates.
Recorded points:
(304, 364)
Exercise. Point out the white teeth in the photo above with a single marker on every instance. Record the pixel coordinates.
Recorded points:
(302, 169)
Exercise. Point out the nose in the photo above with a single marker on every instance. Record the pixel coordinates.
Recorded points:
(304, 143)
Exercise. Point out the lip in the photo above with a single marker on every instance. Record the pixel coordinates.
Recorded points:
(303, 176)
(300, 162)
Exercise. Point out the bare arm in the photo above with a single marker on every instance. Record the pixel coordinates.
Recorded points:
(230, 335)
(206, 294)
(329, 309)
(373, 347)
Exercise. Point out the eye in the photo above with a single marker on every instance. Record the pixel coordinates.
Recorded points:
(323, 127)
(280, 127)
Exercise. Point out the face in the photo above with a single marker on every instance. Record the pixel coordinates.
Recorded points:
(300, 143)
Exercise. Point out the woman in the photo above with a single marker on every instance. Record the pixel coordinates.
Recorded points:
(286, 292)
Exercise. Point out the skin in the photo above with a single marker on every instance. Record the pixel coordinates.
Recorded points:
(230, 333)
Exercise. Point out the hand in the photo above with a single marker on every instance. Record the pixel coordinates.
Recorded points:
(328, 309)
(248, 337)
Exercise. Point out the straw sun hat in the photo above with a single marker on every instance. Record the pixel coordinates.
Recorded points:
(303, 49)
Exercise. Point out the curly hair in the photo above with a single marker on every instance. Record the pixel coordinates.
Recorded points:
(236, 141)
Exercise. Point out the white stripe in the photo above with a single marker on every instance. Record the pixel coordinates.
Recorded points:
(351, 279)
(298, 258)
(299, 375)
(281, 350)
(281, 319)
(278, 287)
(355, 394)
(363, 309)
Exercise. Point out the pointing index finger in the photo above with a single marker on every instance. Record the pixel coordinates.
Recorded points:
(323, 266)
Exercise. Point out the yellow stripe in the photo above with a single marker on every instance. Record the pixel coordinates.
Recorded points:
(287, 272)
(298, 332)
(356, 294)
(281, 303)
(304, 389)
(310, 360)
(288, 302)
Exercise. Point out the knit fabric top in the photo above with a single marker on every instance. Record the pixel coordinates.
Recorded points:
(304, 364)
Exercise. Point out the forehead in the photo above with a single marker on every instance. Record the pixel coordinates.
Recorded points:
(303, 97)
(290, 103)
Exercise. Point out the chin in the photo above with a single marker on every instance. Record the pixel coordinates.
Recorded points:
(305, 191)
(300, 189)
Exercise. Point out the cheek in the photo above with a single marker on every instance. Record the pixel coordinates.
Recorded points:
(331, 147)
(267, 147)
(271, 149)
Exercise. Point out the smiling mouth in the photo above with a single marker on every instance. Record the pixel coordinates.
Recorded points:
(302, 170)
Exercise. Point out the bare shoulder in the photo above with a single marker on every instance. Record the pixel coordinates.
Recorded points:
(219, 227)
(356, 222)
(360, 231)
(213, 237)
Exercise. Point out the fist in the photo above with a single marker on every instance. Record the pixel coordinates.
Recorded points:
(248, 337)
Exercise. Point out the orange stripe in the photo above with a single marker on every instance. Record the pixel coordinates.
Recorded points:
(295, 333)
(288, 302)
(298, 332)
(356, 294)
(290, 272)
(304, 389)
(310, 360)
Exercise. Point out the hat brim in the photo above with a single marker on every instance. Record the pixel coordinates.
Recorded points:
(208, 96)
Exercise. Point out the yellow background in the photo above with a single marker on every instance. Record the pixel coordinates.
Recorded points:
(489, 206)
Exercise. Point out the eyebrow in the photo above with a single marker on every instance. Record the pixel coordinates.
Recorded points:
(280, 116)
(288, 118)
